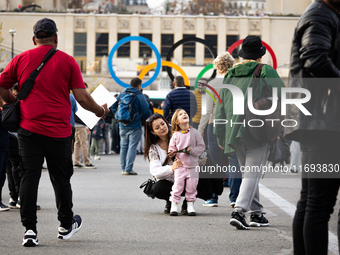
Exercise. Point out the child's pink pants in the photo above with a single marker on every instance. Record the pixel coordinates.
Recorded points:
(182, 178)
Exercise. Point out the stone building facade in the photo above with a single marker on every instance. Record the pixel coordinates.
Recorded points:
(90, 38)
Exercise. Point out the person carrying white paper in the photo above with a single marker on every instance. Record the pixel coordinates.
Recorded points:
(45, 127)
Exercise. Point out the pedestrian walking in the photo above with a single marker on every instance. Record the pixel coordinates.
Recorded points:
(130, 124)
(181, 98)
(105, 149)
(81, 144)
(314, 60)
(222, 63)
(230, 138)
(45, 127)
(98, 134)
(4, 145)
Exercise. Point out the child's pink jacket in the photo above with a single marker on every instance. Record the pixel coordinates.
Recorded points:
(193, 138)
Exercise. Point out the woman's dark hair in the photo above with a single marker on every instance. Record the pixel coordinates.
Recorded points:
(150, 138)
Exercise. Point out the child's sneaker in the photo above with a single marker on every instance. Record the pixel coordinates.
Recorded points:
(191, 210)
(173, 209)
(67, 233)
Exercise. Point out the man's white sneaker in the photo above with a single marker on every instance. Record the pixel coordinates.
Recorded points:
(65, 234)
(30, 239)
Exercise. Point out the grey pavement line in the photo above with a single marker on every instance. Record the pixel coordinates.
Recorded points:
(290, 210)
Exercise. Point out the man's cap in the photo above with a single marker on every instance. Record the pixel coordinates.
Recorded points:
(45, 25)
(252, 48)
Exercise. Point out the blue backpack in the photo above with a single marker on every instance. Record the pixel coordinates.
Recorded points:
(124, 112)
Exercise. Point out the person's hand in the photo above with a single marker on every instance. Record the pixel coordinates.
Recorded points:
(221, 147)
(103, 112)
(103, 140)
(202, 134)
(203, 161)
(177, 163)
(171, 154)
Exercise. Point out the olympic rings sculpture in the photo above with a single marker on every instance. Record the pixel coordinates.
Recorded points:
(165, 63)
(230, 50)
(185, 40)
(143, 40)
(169, 64)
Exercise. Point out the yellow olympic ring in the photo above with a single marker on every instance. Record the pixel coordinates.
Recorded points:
(165, 63)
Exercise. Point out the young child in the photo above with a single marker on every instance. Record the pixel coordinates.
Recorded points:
(98, 133)
(189, 141)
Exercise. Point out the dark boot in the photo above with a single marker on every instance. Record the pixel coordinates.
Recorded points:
(184, 210)
(167, 207)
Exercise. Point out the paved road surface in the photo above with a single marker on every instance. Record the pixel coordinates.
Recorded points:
(120, 219)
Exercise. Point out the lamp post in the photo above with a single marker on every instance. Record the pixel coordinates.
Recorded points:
(12, 31)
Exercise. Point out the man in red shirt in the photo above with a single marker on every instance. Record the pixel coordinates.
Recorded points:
(45, 127)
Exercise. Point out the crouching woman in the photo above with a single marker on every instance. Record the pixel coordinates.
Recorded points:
(157, 138)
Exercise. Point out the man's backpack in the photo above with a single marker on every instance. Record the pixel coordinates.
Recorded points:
(124, 112)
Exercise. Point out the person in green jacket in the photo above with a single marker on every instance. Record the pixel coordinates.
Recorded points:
(231, 130)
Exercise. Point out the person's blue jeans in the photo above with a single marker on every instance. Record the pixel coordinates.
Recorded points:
(105, 147)
(235, 178)
(129, 139)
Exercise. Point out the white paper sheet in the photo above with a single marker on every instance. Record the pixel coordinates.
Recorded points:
(101, 95)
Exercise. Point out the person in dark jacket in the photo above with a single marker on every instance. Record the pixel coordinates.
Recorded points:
(105, 149)
(315, 55)
(180, 97)
(98, 134)
(4, 144)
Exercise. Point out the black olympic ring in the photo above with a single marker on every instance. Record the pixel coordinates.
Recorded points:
(185, 40)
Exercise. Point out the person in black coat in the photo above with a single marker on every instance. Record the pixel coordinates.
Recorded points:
(315, 59)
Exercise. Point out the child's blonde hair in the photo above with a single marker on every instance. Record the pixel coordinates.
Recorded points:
(223, 62)
(175, 127)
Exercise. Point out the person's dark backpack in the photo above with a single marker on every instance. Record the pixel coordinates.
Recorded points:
(124, 112)
(268, 131)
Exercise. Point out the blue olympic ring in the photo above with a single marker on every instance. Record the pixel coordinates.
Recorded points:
(143, 40)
